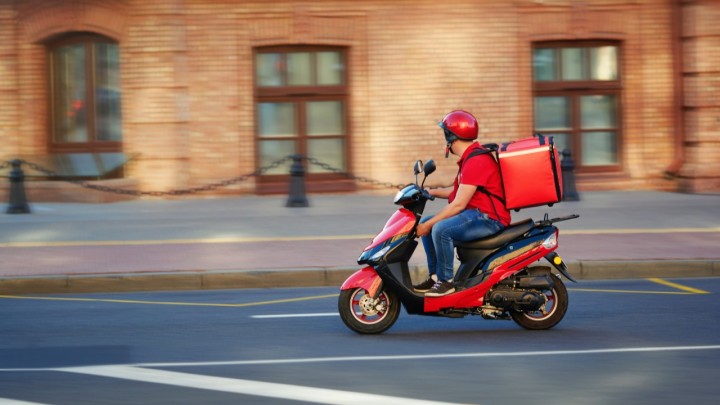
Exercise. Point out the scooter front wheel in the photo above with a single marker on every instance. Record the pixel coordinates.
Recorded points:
(363, 314)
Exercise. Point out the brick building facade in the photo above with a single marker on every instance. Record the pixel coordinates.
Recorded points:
(208, 90)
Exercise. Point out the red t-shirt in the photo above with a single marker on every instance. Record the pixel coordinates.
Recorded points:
(482, 171)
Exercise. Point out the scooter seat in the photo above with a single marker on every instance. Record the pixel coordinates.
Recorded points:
(506, 235)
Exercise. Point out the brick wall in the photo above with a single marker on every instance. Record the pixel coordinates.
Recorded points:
(187, 78)
(701, 101)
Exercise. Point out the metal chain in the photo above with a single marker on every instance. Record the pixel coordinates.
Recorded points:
(212, 186)
(352, 176)
(192, 190)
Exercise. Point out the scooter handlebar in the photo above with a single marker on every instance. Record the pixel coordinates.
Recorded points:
(427, 195)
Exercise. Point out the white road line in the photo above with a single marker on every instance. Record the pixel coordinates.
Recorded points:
(246, 387)
(294, 315)
(433, 356)
(6, 401)
(404, 357)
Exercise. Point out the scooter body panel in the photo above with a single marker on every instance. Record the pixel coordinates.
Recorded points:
(395, 275)
(473, 294)
(402, 221)
(363, 278)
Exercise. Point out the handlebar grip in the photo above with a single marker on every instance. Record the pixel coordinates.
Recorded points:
(428, 195)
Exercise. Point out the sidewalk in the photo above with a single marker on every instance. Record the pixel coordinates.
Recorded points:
(254, 241)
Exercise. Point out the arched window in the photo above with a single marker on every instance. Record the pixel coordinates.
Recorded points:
(577, 91)
(85, 95)
(302, 107)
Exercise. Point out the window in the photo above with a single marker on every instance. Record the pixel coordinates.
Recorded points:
(301, 107)
(577, 100)
(85, 94)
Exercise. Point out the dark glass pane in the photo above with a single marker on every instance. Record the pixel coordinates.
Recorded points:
(552, 113)
(573, 64)
(599, 148)
(299, 69)
(544, 64)
(329, 69)
(325, 118)
(269, 68)
(69, 94)
(276, 119)
(329, 151)
(598, 111)
(273, 150)
(107, 93)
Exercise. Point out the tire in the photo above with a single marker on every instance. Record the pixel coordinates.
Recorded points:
(555, 309)
(362, 317)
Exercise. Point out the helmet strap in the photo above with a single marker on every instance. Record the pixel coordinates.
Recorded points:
(450, 137)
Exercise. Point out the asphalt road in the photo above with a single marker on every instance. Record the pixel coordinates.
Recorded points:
(629, 341)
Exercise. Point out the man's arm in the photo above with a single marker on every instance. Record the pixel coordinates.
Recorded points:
(441, 192)
(462, 198)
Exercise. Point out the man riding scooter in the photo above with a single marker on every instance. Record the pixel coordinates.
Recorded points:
(475, 203)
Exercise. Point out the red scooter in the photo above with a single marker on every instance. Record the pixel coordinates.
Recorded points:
(493, 280)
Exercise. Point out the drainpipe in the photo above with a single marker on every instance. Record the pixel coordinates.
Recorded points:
(678, 65)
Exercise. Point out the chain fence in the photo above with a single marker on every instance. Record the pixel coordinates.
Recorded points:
(208, 187)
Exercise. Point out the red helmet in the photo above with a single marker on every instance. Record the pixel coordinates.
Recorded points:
(462, 124)
(459, 124)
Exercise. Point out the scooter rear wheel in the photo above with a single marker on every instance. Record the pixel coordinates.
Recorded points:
(551, 314)
(367, 316)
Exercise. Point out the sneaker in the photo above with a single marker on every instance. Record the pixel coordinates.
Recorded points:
(425, 285)
(441, 288)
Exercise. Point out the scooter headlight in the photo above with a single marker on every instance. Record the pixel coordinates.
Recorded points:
(380, 253)
(551, 242)
(398, 196)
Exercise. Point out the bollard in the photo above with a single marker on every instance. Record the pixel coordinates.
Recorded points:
(567, 165)
(18, 201)
(297, 196)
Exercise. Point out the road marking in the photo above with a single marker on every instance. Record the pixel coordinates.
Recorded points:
(426, 356)
(630, 291)
(187, 304)
(294, 315)
(73, 243)
(423, 356)
(639, 230)
(678, 286)
(246, 387)
(7, 401)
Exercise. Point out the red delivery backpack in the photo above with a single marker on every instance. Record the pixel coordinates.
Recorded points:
(530, 171)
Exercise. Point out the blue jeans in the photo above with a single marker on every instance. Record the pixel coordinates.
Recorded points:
(466, 226)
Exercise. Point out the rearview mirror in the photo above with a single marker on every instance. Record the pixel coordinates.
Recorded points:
(418, 167)
(429, 167)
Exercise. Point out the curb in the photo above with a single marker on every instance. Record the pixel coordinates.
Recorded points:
(318, 277)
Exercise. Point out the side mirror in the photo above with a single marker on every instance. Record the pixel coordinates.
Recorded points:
(429, 167)
(418, 167)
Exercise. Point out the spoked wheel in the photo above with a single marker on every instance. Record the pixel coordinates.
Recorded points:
(549, 314)
(366, 315)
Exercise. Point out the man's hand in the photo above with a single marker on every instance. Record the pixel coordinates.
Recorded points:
(423, 229)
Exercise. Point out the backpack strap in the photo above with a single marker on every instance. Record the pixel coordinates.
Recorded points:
(489, 148)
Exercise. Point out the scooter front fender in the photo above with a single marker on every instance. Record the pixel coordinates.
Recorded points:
(365, 278)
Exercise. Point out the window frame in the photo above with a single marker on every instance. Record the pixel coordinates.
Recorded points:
(92, 145)
(300, 96)
(574, 90)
